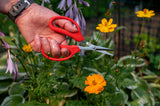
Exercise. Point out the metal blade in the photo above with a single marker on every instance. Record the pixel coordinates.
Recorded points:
(96, 48)
(107, 49)
(104, 52)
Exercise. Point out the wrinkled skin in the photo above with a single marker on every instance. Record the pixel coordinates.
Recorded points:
(33, 25)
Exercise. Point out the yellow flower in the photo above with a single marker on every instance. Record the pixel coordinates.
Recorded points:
(27, 48)
(145, 13)
(106, 26)
(95, 83)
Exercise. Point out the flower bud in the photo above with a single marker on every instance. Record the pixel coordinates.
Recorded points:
(116, 70)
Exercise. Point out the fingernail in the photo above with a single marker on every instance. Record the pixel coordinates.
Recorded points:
(52, 43)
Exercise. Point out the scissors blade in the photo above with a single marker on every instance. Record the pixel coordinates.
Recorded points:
(101, 50)
(104, 52)
(96, 47)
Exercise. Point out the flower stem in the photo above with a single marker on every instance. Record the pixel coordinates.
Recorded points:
(139, 37)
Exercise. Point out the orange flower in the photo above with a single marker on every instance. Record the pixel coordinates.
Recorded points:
(95, 83)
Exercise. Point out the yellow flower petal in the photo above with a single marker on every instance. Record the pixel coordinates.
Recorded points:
(113, 25)
(27, 48)
(110, 21)
(145, 13)
(97, 27)
(111, 30)
(106, 26)
(104, 21)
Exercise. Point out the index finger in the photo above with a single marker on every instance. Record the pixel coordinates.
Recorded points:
(67, 25)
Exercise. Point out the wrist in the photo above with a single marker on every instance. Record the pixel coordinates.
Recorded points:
(18, 8)
(6, 5)
(27, 13)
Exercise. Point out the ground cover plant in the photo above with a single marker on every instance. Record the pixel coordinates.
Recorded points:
(88, 78)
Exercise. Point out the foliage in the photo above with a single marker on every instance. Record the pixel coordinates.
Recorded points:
(63, 82)
(43, 82)
(149, 50)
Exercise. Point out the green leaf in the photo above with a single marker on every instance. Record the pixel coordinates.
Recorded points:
(142, 96)
(13, 100)
(33, 103)
(148, 72)
(97, 36)
(93, 70)
(56, 102)
(4, 85)
(67, 93)
(156, 92)
(130, 84)
(131, 62)
(78, 82)
(15, 88)
(7, 39)
(119, 28)
(118, 98)
(137, 103)
(4, 76)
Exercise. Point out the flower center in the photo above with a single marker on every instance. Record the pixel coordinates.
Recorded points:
(106, 24)
(94, 82)
(145, 11)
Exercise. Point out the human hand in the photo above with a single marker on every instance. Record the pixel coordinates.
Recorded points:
(33, 25)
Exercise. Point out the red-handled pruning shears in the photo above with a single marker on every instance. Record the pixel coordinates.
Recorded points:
(76, 36)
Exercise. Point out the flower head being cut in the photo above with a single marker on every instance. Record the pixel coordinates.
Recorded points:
(106, 26)
(95, 83)
(27, 48)
(145, 13)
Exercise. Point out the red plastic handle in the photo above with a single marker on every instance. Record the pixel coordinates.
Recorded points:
(75, 35)
(72, 48)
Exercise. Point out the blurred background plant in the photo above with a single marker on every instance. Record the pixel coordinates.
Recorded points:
(130, 80)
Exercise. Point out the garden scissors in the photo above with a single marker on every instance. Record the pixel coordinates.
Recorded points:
(76, 36)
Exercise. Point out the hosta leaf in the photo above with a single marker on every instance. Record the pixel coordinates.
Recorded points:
(93, 70)
(131, 62)
(130, 84)
(119, 98)
(148, 72)
(13, 100)
(142, 96)
(67, 93)
(15, 88)
(4, 84)
(4, 76)
(137, 103)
